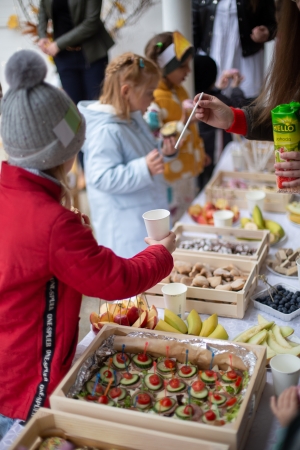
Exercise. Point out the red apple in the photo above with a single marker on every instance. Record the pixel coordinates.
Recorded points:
(202, 220)
(121, 319)
(151, 324)
(133, 314)
(142, 320)
(152, 312)
(95, 328)
(94, 318)
(209, 214)
(105, 317)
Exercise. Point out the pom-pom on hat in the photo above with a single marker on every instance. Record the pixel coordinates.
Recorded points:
(41, 127)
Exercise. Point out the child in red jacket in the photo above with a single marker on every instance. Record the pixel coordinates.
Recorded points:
(48, 257)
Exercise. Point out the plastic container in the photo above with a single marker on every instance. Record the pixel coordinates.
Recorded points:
(271, 311)
(286, 133)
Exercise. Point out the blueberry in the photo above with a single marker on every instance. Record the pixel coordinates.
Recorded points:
(279, 288)
(284, 310)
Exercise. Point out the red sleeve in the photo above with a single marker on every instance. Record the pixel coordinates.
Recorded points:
(95, 271)
(239, 124)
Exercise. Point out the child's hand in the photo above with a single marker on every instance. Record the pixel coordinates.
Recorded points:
(168, 148)
(214, 112)
(169, 242)
(155, 162)
(223, 81)
(290, 168)
(285, 408)
(237, 78)
(260, 34)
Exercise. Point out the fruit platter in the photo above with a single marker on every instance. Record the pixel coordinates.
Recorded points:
(132, 312)
(204, 214)
(258, 222)
(140, 315)
(277, 339)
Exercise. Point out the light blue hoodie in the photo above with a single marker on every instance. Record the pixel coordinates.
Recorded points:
(120, 187)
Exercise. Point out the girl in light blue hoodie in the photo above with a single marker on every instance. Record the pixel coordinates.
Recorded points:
(123, 166)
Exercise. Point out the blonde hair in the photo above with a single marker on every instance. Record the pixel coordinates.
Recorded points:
(59, 173)
(127, 68)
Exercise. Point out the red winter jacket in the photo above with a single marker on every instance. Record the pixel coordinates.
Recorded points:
(48, 259)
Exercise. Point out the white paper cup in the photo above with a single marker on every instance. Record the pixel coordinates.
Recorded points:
(175, 298)
(157, 223)
(238, 160)
(255, 198)
(285, 372)
(223, 218)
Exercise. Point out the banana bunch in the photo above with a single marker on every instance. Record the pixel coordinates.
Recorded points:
(271, 336)
(259, 223)
(208, 328)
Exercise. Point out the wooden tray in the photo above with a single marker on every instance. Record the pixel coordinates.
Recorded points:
(209, 301)
(185, 232)
(274, 201)
(234, 435)
(104, 435)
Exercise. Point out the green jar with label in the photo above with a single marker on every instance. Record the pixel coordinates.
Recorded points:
(286, 133)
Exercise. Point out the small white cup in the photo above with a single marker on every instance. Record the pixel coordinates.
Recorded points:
(175, 298)
(285, 371)
(157, 223)
(223, 218)
(238, 159)
(255, 198)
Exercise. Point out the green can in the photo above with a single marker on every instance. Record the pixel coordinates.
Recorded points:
(286, 133)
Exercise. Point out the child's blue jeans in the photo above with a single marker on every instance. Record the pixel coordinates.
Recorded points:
(5, 424)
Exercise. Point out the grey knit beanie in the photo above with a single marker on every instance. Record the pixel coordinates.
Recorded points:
(41, 127)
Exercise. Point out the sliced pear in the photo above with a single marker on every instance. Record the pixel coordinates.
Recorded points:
(279, 338)
(270, 351)
(219, 333)
(292, 344)
(278, 348)
(286, 331)
(209, 325)
(258, 338)
(261, 320)
(194, 323)
(246, 335)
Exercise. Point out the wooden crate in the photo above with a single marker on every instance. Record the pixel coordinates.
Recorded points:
(274, 201)
(103, 435)
(185, 232)
(234, 435)
(209, 301)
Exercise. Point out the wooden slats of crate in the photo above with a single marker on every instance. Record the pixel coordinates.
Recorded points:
(234, 435)
(274, 201)
(258, 239)
(209, 301)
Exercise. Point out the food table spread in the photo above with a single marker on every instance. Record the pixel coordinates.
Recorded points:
(263, 432)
